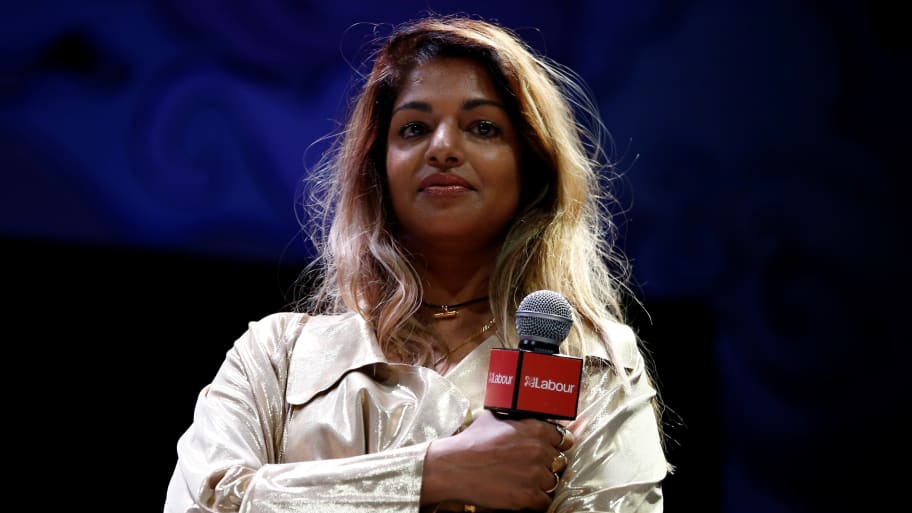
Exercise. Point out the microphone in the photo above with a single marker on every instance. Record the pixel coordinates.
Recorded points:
(536, 381)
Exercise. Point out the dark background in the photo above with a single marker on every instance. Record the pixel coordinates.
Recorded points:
(151, 152)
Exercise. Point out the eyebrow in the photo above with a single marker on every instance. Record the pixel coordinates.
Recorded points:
(467, 105)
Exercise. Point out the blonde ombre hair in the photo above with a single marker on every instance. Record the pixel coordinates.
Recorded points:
(561, 237)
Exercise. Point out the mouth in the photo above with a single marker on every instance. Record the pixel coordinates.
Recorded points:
(444, 182)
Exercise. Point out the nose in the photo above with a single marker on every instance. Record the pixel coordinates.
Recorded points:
(445, 148)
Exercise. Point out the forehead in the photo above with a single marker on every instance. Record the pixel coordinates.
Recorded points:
(444, 77)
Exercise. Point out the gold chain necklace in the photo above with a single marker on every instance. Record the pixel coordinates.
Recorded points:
(485, 327)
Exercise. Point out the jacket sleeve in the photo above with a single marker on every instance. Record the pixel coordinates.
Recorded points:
(618, 462)
(228, 458)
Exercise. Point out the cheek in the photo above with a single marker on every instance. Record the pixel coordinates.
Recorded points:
(396, 176)
(510, 175)
(398, 162)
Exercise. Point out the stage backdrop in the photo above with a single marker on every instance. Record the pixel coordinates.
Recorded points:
(152, 153)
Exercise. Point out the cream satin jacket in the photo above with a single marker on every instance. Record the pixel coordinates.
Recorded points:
(307, 415)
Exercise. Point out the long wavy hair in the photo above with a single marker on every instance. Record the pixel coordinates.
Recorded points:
(561, 237)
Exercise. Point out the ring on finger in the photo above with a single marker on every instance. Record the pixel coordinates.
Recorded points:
(559, 463)
(563, 433)
(556, 482)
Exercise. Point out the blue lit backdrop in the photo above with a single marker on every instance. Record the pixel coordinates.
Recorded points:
(763, 210)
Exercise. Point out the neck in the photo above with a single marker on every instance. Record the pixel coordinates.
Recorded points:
(451, 255)
(453, 279)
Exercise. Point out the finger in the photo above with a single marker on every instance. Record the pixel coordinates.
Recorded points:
(559, 463)
(565, 439)
(556, 483)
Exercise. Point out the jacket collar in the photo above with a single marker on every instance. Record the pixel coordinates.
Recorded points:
(328, 347)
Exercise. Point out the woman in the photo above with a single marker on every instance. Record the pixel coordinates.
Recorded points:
(460, 184)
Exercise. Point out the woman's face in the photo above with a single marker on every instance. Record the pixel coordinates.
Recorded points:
(452, 155)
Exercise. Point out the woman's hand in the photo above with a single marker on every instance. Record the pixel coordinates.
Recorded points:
(497, 463)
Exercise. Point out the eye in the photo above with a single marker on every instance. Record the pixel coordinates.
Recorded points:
(413, 129)
(485, 128)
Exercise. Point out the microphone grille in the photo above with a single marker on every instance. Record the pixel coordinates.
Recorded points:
(544, 315)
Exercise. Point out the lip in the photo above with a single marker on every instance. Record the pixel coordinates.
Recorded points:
(444, 180)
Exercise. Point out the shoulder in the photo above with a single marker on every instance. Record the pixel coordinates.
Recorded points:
(283, 331)
(266, 343)
(616, 343)
(276, 324)
(624, 346)
(272, 333)
(311, 350)
(325, 348)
